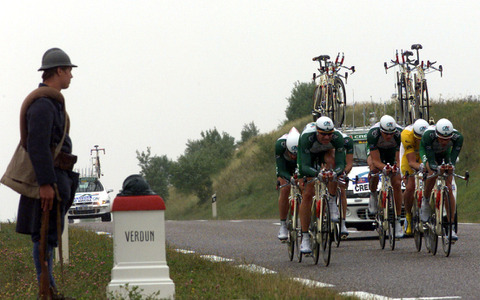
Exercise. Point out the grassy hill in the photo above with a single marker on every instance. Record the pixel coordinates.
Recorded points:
(245, 189)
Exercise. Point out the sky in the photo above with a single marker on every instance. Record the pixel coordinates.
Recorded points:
(158, 73)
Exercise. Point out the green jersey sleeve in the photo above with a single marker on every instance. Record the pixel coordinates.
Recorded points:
(281, 162)
(339, 143)
(457, 140)
(304, 157)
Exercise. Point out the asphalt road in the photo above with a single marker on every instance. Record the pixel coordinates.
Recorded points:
(357, 265)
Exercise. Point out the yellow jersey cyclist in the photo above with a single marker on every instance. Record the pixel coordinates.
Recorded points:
(410, 163)
(320, 145)
(343, 186)
(441, 143)
(286, 163)
(383, 145)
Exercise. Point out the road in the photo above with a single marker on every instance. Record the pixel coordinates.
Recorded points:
(357, 265)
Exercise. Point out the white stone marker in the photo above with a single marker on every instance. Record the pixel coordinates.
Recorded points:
(139, 247)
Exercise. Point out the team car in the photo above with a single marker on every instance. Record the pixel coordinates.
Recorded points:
(91, 200)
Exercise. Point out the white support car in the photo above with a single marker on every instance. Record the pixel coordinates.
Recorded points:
(91, 200)
(358, 193)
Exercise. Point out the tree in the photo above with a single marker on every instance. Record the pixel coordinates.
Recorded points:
(249, 130)
(300, 102)
(201, 159)
(156, 171)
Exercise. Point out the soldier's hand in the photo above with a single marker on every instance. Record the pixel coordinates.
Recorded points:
(46, 196)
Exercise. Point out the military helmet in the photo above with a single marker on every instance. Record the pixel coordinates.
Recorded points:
(55, 57)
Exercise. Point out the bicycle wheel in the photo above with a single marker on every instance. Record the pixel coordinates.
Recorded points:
(432, 227)
(380, 228)
(425, 103)
(337, 227)
(339, 101)
(446, 224)
(314, 231)
(417, 234)
(400, 96)
(326, 232)
(298, 239)
(329, 105)
(292, 232)
(406, 101)
(318, 103)
(416, 104)
(391, 219)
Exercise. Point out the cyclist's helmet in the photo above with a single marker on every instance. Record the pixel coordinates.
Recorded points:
(292, 140)
(419, 127)
(388, 124)
(444, 129)
(325, 124)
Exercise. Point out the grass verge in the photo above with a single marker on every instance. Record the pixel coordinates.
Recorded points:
(88, 273)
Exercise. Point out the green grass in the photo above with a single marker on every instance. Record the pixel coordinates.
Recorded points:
(88, 273)
(246, 187)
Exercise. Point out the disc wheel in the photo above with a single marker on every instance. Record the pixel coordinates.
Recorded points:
(292, 232)
(382, 234)
(446, 225)
(337, 226)
(402, 97)
(431, 237)
(425, 102)
(339, 102)
(314, 233)
(318, 103)
(326, 232)
(417, 234)
(391, 219)
(417, 103)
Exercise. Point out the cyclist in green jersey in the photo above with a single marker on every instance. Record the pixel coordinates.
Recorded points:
(320, 146)
(286, 163)
(383, 145)
(440, 144)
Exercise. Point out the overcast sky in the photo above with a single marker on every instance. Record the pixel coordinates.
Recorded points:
(157, 73)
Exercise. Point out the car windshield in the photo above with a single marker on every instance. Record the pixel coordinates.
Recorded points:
(360, 153)
(88, 185)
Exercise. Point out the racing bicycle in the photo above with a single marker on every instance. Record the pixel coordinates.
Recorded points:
(412, 93)
(321, 229)
(417, 202)
(329, 98)
(387, 213)
(441, 222)
(293, 220)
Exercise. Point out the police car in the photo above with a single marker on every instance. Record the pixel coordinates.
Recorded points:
(91, 200)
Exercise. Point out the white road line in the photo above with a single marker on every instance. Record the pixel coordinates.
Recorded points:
(214, 258)
(185, 251)
(313, 283)
(256, 269)
(370, 296)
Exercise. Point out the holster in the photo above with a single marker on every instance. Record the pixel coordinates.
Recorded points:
(65, 161)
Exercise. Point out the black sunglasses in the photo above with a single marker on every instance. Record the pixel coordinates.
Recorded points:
(325, 133)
